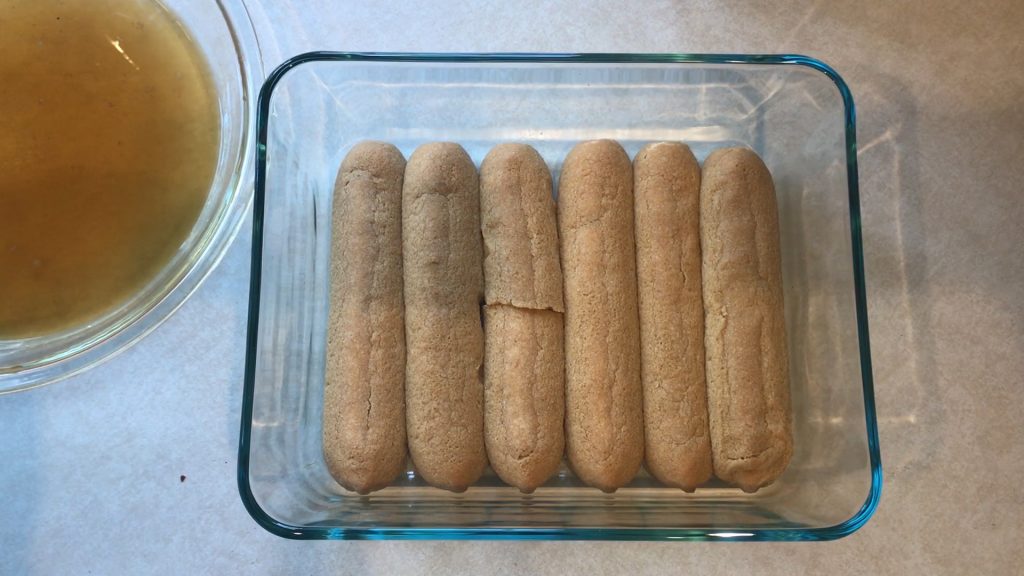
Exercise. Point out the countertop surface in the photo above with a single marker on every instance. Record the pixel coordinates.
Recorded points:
(130, 468)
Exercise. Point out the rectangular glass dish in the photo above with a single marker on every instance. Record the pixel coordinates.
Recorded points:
(796, 112)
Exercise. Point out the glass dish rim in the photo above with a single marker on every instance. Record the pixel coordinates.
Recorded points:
(285, 530)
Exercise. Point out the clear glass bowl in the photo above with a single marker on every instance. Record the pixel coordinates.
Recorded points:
(795, 111)
(224, 34)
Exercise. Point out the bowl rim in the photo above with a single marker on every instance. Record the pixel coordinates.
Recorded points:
(125, 331)
(285, 530)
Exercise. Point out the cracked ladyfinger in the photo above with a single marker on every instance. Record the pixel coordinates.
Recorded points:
(441, 251)
(524, 378)
(744, 328)
(364, 397)
(604, 415)
(666, 181)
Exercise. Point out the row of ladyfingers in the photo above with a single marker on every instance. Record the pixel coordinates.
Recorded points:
(641, 321)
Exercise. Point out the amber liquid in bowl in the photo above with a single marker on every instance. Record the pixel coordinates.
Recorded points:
(109, 138)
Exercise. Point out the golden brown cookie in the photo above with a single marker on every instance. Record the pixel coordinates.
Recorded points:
(666, 181)
(520, 230)
(744, 327)
(443, 289)
(524, 377)
(364, 388)
(604, 414)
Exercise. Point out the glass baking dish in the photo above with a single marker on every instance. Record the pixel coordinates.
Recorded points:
(795, 111)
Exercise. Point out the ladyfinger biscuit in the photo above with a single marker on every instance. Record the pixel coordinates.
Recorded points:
(364, 389)
(677, 448)
(524, 375)
(524, 366)
(604, 414)
(520, 230)
(441, 251)
(744, 328)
